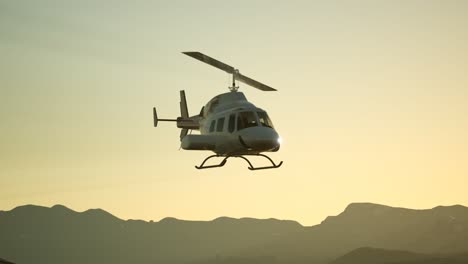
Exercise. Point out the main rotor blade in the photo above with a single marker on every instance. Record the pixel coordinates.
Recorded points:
(253, 83)
(208, 60)
(229, 69)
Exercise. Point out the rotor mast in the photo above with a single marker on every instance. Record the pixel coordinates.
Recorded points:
(234, 88)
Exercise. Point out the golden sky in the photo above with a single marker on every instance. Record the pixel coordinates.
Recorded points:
(372, 105)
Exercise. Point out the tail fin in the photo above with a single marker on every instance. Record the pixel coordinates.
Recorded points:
(183, 113)
(183, 105)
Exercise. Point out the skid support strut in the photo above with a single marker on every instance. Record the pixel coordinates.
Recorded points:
(251, 167)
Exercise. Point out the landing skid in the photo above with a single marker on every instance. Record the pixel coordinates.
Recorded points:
(251, 167)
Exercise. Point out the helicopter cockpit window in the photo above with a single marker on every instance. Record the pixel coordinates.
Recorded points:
(232, 123)
(212, 126)
(264, 119)
(220, 125)
(246, 119)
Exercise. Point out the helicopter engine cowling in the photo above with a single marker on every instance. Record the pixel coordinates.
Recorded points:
(199, 142)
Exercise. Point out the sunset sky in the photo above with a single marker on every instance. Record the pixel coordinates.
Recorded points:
(372, 105)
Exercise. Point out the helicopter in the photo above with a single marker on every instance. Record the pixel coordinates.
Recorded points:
(229, 125)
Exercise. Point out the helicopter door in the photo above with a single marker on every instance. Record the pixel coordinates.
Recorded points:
(232, 123)
(220, 125)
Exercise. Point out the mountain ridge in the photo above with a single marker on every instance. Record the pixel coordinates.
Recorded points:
(351, 208)
(368, 255)
(91, 211)
(58, 234)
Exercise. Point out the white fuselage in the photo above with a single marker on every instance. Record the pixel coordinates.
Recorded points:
(230, 125)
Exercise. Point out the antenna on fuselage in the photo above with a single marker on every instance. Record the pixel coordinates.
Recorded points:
(236, 75)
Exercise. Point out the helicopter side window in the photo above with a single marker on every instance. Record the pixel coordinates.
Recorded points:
(264, 119)
(220, 125)
(232, 123)
(246, 119)
(212, 126)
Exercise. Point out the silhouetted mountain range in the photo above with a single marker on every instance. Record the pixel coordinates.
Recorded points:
(384, 256)
(36, 234)
(443, 229)
(4, 261)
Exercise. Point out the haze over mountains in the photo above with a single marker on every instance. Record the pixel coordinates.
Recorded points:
(363, 232)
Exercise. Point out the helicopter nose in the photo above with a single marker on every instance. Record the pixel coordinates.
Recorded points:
(260, 139)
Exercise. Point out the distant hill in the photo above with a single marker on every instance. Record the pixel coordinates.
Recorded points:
(443, 229)
(378, 256)
(384, 256)
(36, 234)
(4, 261)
